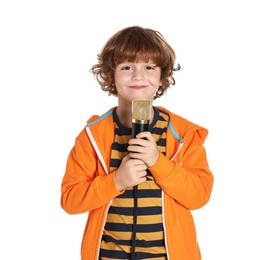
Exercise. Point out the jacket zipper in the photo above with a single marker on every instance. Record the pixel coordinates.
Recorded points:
(134, 228)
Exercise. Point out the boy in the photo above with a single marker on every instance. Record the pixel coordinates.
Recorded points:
(138, 191)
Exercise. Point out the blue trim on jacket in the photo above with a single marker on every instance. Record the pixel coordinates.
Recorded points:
(176, 136)
(100, 118)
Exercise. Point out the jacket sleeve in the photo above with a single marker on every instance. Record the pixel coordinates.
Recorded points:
(85, 186)
(187, 178)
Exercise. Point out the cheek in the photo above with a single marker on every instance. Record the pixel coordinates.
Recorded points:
(156, 81)
(117, 79)
(155, 87)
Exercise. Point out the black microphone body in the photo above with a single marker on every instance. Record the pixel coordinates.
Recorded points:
(138, 128)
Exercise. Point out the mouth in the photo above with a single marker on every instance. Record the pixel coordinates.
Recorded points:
(137, 87)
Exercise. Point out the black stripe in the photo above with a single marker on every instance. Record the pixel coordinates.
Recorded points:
(142, 255)
(128, 228)
(108, 238)
(128, 194)
(114, 254)
(130, 211)
(122, 255)
(161, 142)
(118, 227)
(143, 243)
(161, 118)
(149, 193)
(119, 147)
(115, 163)
(123, 131)
(158, 131)
(139, 243)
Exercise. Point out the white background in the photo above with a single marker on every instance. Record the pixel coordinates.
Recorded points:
(228, 83)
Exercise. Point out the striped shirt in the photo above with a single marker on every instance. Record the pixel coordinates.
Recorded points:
(118, 231)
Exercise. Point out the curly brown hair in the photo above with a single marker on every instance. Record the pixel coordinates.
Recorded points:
(135, 44)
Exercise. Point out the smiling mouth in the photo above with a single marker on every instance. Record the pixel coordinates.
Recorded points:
(137, 87)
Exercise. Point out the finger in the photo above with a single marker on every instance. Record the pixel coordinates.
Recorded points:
(126, 158)
(134, 149)
(141, 168)
(136, 155)
(142, 176)
(136, 142)
(136, 162)
(143, 173)
(145, 135)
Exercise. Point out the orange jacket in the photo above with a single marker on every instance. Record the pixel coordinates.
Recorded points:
(183, 174)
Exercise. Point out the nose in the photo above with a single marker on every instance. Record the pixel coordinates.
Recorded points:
(138, 74)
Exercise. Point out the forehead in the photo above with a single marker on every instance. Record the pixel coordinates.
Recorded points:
(137, 55)
(136, 62)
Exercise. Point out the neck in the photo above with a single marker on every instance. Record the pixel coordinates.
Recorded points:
(124, 116)
(124, 113)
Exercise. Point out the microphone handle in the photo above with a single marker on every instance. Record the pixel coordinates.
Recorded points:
(138, 128)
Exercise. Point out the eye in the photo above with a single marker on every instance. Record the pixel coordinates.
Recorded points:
(150, 67)
(126, 67)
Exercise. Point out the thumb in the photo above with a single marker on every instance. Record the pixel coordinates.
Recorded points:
(126, 158)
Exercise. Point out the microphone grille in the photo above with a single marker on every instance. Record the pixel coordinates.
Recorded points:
(141, 109)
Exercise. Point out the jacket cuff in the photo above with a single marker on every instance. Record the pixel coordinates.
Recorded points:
(162, 168)
(108, 189)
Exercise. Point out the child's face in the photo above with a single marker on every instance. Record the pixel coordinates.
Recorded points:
(137, 80)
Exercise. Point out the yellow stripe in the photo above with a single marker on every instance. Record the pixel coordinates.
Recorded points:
(122, 139)
(115, 218)
(117, 155)
(157, 137)
(165, 116)
(152, 250)
(142, 202)
(147, 236)
(148, 219)
(112, 169)
(127, 236)
(157, 258)
(122, 202)
(112, 246)
(148, 185)
(161, 149)
(150, 236)
(127, 249)
(149, 202)
(119, 235)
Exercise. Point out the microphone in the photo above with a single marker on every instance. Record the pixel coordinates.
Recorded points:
(141, 114)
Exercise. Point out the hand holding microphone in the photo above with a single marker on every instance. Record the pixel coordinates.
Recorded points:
(130, 173)
(142, 148)
(142, 145)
